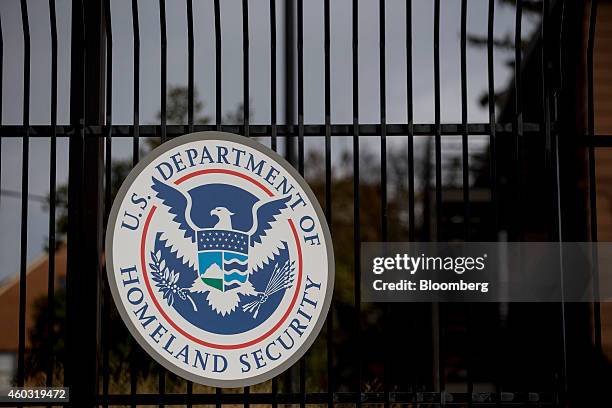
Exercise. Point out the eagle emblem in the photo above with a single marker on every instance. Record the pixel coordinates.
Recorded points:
(219, 259)
(230, 244)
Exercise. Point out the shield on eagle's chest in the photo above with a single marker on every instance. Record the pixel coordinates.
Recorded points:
(223, 258)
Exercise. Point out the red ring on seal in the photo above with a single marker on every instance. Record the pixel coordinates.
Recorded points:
(163, 313)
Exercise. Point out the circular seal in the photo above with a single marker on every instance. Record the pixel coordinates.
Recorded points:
(219, 259)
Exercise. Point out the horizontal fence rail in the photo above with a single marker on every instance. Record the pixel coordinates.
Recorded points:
(416, 129)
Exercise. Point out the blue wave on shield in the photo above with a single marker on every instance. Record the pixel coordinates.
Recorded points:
(235, 266)
(234, 257)
(235, 276)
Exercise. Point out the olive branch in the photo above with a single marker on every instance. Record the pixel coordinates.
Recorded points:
(166, 281)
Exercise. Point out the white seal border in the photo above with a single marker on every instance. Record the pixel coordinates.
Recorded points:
(123, 190)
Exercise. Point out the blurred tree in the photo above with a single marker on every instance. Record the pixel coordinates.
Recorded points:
(122, 350)
(178, 105)
(177, 112)
(505, 42)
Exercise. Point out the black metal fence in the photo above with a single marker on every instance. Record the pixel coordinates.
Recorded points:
(549, 122)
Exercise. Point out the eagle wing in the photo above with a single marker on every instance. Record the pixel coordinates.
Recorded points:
(179, 205)
(265, 216)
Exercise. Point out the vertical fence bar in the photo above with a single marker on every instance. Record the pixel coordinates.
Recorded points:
(464, 120)
(552, 152)
(327, 69)
(384, 211)
(466, 184)
(517, 125)
(545, 120)
(107, 193)
(273, 141)
(438, 309)
(135, 159)
(190, 113)
(274, 130)
(300, 83)
(491, 103)
(300, 99)
(109, 108)
(593, 178)
(246, 103)
(245, 65)
(555, 139)
(357, 195)
(163, 48)
(290, 79)
(190, 83)
(52, 197)
(410, 117)
(136, 88)
(85, 195)
(492, 149)
(218, 72)
(564, 371)
(560, 398)
(218, 107)
(75, 169)
(163, 118)
(25, 158)
(437, 127)
(328, 193)
(383, 120)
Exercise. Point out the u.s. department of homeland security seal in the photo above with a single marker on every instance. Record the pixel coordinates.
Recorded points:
(219, 259)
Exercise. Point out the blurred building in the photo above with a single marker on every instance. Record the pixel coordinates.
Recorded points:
(602, 79)
(37, 283)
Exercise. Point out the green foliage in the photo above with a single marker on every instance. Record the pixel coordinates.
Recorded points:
(177, 108)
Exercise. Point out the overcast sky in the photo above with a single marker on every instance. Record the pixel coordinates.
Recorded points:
(259, 34)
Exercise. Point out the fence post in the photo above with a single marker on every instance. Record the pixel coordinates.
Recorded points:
(85, 210)
(290, 80)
